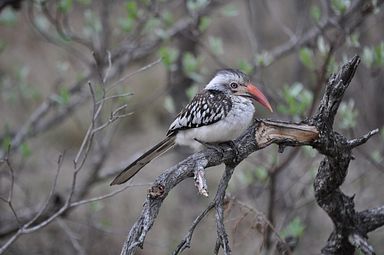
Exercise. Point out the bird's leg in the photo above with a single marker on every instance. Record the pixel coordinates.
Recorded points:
(216, 146)
(233, 146)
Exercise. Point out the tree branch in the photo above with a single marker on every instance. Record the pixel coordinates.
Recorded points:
(316, 131)
(261, 134)
(222, 236)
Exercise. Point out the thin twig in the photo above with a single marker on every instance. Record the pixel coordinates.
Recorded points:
(186, 242)
(142, 69)
(222, 236)
(73, 238)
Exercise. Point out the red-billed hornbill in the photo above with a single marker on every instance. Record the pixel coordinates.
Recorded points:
(221, 112)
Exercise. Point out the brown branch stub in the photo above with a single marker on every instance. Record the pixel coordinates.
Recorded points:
(268, 132)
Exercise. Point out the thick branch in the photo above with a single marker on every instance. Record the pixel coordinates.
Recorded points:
(371, 219)
(266, 132)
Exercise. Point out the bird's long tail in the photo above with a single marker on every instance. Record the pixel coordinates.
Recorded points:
(144, 159)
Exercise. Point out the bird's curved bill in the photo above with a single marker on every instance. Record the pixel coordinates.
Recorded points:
(258, 96)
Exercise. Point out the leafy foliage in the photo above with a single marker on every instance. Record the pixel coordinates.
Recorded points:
(374, 56)
(295, 228)
(347, 115)
(307, 58)
(168, 56)
(216, 45)
(297, 100)
(340, 6)
(315, 13)
(191, 66)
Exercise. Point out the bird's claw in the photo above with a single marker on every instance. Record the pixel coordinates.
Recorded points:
(233, 146)
(219, 149)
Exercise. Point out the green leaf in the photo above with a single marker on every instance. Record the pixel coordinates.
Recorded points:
(190, 63)
(261, 173)
(246, 177)
(294, 229)
(92, 23)
(340, 6)
(306, 58)
(368, 56)
(204, 23)
(96, 206)
(216, 45)
(263, 59)
(65, 5)
(126, 24)
(191, 66)
(322, 45)
(167, 17)
(332, 66)
(245, 66)
(353, 40)
(8, 17)
(146, 2)
(376, 156)
(195, 5)
(6, 142)
(347, 115)
(152, 25)
(168, 56)
(296, 100)
(64, 95)
(132, 10)
(25, 150)
(230, 10)
(378, 54)
(315, 13)
(105, 223)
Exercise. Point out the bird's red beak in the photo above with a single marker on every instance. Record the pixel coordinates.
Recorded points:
(258, 96)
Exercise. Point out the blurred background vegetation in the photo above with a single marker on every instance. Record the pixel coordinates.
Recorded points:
(139, 62)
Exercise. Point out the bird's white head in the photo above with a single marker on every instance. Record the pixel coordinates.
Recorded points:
(235, 82)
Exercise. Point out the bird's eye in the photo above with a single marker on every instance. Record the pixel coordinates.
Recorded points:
(234, 85)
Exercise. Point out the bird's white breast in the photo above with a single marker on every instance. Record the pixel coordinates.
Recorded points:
(231, 127)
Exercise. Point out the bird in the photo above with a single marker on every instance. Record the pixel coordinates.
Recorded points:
(220, 112)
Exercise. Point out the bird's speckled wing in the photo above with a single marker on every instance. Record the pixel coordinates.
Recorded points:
(207, 107)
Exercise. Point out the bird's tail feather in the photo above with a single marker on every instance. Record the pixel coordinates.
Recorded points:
(144, 159)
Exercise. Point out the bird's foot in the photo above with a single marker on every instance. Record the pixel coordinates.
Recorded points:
(213, 146)
(235, 150)
(216, 146)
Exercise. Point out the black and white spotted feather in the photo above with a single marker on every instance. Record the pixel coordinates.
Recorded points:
(206, 108)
